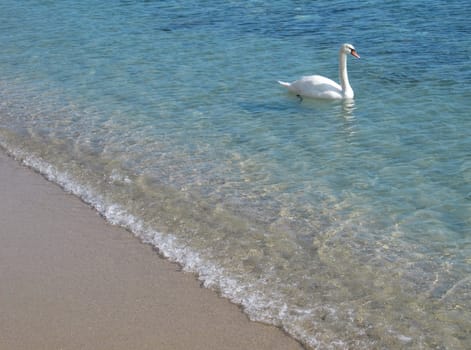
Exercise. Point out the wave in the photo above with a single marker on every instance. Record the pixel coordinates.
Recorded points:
(256, 305)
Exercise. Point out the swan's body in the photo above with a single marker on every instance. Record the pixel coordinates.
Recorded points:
(317, 86)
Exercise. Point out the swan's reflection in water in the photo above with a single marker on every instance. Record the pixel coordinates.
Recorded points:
(348, 109)
(347, 113)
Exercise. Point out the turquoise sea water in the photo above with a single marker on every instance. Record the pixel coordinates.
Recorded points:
(346, 224)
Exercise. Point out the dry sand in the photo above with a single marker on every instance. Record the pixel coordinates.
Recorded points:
(70, 280)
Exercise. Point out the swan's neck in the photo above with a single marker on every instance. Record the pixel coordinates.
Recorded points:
(347, 90)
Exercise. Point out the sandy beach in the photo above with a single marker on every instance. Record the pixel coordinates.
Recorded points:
(70, 280)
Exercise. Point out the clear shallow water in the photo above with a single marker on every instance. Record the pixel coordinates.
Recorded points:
(346, 224)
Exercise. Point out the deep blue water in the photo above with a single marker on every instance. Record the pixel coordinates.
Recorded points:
(348, 224)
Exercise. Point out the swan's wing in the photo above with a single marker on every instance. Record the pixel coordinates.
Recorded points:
(317, 86)
(319, 80)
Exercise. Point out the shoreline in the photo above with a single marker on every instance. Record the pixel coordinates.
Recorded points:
(71, 280)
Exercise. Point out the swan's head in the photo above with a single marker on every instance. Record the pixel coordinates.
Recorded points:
(349, 49)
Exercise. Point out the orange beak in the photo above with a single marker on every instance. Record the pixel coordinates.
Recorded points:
(355, 54)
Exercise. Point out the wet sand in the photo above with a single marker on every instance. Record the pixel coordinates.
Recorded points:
(70, 280)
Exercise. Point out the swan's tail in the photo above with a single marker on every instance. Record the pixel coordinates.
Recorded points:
(287, 85)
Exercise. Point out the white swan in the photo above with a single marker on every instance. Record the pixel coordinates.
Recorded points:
(317, 86)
